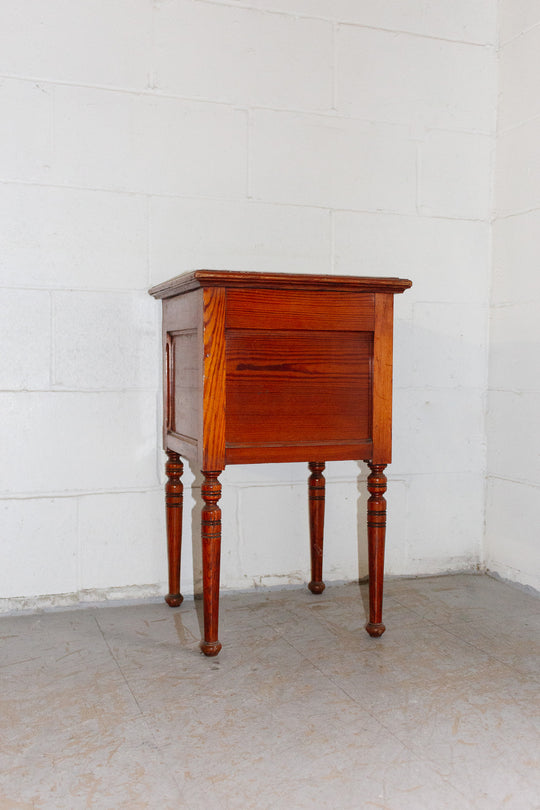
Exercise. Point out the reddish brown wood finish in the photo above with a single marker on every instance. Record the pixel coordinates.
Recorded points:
(212, 452)
(262, 367)
(284, 385)
(174, 499)
(232, 279)
(182, 376)
(316, 489)
(300, 309)
(382, 378)
(376, 521)
(211, 549)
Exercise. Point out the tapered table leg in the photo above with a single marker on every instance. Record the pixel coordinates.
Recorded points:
(211, 550)
(316, 490)
(174, 497)
(376, 517)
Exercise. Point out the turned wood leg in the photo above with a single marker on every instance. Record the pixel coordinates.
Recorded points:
(376, 521)
(211, 548)
(174, 496)
(316, 490)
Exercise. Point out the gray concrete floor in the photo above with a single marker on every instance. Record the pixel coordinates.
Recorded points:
(115, 707)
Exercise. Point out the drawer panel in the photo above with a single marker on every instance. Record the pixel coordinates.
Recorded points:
(300, 309)
(288, 386)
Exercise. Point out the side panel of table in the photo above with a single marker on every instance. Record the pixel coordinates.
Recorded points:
(183, 373)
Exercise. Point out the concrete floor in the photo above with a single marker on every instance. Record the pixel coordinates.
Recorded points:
(114, 707)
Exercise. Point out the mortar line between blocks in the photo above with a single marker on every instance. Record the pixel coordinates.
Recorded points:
(235, 105)
(52, 359)
(503, 44)
(250, 124)
(229, 201)
(341, 21)
(47, 496)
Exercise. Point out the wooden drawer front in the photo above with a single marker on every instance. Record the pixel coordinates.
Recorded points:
(301, 309)
(287, 386)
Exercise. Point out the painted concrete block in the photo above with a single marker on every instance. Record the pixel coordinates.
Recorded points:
(38, 552)
(517, 16)
(440, 430)
(99, 139)
(26, 131)
(514, 378)
(345, 528)
(195, 149)
(77, 442)
(514, 443)
(119, 141)
(25, 337)
(454, 175)
(516, 244)
(518, 98)
(445, 522)
(122, 539)
(87, 42)
(418, 81)
(448, 260)
(273, 551)
(398, 526)
(105, 340)
(517, 175)
(470, 22)
(505, 500)
(61, 237)
(333, 162)
(249, 57)
(514, 348)
(449, 345)
(189, 234)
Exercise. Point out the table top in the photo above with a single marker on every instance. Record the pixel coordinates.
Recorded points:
(276, 281)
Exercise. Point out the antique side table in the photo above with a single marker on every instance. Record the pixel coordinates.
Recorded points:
(272, 367)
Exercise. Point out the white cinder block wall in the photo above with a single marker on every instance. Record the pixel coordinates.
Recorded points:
(513, 494)
(142, 139)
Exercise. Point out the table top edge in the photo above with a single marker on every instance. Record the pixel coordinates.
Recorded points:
(197, 279)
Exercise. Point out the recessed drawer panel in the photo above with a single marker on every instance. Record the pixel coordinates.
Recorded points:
(288, 386)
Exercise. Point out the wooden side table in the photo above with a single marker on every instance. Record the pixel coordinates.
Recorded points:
(271, 367)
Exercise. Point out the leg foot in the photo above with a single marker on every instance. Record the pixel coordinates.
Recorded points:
(210, 648)
(375, 630)
(174, 497)
(376, 537)
(211, 551)
(174, 599)
(316, 491)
